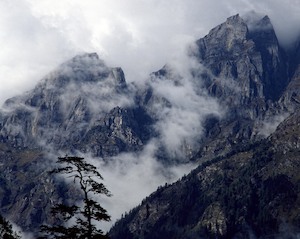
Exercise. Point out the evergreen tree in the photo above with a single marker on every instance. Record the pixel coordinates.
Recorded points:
(6, 231)
(87, 177)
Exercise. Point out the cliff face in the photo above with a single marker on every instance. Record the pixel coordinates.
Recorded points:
(74, 108)
(248, 61)
(249, 186)
(87, 107)
(249, 73)
(252, 192)
(83, 106)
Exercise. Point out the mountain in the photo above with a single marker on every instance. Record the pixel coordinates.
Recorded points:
(247, 71)
(83, 106)
(248, 186)
(252, 192)
(76, 107)
(221, 115)
(251, 58)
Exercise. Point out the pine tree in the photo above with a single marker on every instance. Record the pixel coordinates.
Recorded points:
(6, 231)
(87, 177)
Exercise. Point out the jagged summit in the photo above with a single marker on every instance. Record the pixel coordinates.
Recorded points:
(262, 24)
(232, 51)
(236, 30)
(249, 187)
(75, 74)
(84, 60)
(87, 67)
(66, 104)
(227, 36)
(261, 30)
(257, 21)
(85, 106)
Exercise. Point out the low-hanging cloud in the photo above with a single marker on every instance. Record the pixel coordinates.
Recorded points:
(139, 36)
(180, 120)
(131, 177)
(269, 125)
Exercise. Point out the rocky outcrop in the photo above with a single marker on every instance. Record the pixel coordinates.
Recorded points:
(244, 63)
(247, 71)
(116, 132)
(85, 106)
(250, 193)
(72, 109)
(249, 186)
(22, 199)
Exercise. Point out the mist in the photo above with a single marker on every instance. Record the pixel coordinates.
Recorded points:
(134, 175)
(131, 177)
(181, 104)
(139, 36)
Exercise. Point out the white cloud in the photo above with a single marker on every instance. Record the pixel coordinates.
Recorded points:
(140, 36)
(180, 121)
(269, 125)
(131, 177)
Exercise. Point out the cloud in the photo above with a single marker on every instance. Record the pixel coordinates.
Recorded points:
(182, 105)
(139, 36)
(269, 125)
(131, 177)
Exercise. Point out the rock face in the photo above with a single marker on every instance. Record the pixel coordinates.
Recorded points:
(85, 106)
(249, 187)
(73, 108)
(248, 72)
(252, 192)
(246, 65)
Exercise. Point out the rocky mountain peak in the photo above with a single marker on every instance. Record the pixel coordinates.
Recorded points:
(85, 106)
(262, 32)
(236, 22)
(83, 61)
(264, 23)
(275, 71)
(256, 21)
(227, 36)
(66, 102)
(83, 69)
(244, 54)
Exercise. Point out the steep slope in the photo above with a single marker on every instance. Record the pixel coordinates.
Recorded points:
(82, 106)
(249, 193)
(248, 57)
(73, 108)
(247, 71)
(244, 69)
(291, 97)
(246, 83)
(249, 186)
(22, 199)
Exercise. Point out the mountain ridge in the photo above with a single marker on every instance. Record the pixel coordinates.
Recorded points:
(86, 107)
(251, 192)
(250, 188)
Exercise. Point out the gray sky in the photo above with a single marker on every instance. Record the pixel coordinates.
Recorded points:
(138, 35)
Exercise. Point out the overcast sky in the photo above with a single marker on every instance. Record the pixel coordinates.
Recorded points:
(138, 35)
